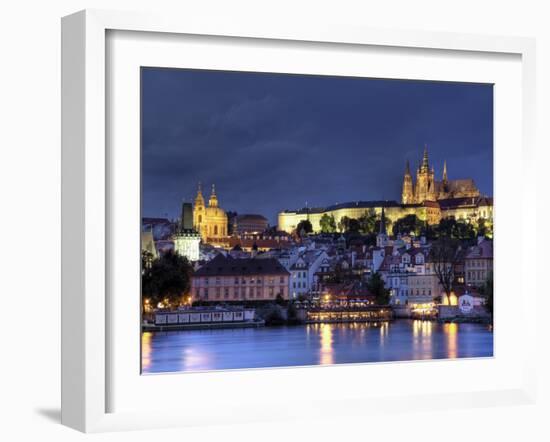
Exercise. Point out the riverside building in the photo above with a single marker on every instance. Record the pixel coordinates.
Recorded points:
(226, 279)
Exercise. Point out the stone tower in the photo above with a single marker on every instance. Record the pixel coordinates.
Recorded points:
(382, 237)
(425, 181)
(407, 196)
(198, 211)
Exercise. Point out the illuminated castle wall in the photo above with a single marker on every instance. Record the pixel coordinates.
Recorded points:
(428, 199)
(288, 220)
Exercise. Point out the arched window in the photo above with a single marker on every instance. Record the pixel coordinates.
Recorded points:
(200, 219)
(215, 230)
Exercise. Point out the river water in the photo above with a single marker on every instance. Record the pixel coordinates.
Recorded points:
(313, 344)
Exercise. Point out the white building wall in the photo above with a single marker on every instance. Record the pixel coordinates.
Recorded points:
(188, 246)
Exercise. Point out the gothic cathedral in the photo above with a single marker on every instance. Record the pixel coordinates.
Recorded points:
(426, 188)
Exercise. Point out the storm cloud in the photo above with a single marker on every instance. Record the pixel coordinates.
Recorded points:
(271, 142)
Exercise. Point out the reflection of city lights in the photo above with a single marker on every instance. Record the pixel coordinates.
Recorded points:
(422, 339)
(146, 349)
(195, 359)
(384, 327)
(326, 345)
(451, 331)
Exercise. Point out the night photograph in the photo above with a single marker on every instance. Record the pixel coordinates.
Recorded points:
(303, 220)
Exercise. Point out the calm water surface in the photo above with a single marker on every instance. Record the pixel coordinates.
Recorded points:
(314, 344)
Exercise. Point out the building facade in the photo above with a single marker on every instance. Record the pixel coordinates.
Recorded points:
(186, 238)
(249, 224)
(303, 279)
(410, 277)
(478, 263)
(210, 221)
(225, 279)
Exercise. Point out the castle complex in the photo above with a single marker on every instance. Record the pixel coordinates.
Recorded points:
(428, 199)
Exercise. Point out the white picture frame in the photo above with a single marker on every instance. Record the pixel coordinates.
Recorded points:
(86, 353)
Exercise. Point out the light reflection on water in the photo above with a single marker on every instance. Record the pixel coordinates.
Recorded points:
(314, 344)
(451, 331)
(327, 347)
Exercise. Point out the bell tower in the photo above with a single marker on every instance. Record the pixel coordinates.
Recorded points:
(425, 183)
(198, 211)
(407, 195)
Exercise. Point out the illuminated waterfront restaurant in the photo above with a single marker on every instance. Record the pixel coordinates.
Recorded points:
(340, 314)
(348, 302)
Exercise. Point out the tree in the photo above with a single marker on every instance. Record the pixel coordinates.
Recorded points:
(146, 260)
(304, 226)
(146, 277)
(408, 224)
(343, 224)
(327, 223)
(348, 225)
(353, 226)
(444, 255)
(484, 228)
(375, 284)
(367, 222)
(457, 229)
(446, 227)
(465, 230)
(167, 279)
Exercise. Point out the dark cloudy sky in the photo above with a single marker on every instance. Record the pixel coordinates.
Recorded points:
(271, 142)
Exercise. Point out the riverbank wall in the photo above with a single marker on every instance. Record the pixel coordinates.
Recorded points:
(452, 313)
(201, 326)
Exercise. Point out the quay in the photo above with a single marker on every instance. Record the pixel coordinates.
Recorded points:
(146, 327)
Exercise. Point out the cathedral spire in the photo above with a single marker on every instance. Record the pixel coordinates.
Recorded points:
(382, 223)
(382, 237)
(445, 171)
(425, 162)
(407, 194)
(199, 199)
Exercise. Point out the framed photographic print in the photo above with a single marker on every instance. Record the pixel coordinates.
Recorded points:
(247, 208)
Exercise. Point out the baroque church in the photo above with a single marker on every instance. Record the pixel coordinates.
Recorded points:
(210, 221)
(426, 188)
